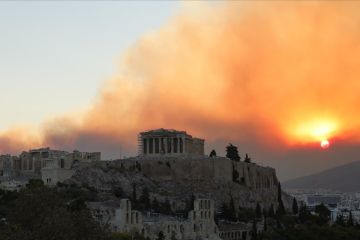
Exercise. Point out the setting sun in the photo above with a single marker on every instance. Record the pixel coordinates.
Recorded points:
(325, 144)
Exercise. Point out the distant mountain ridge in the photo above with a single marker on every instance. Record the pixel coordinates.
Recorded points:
(344, 178)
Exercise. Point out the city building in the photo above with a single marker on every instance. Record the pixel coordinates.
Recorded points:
(329, 200)
(169, 142)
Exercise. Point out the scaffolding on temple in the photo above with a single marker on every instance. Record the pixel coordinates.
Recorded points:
(140, 145)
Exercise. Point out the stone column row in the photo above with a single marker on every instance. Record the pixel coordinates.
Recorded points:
(164, 144)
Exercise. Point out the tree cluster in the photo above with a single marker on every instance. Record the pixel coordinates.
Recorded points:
(38, 212)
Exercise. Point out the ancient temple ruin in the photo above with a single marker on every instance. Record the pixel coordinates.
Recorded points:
(169, 142)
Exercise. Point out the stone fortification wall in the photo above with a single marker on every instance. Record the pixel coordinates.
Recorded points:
(177, 178)
(218, 169)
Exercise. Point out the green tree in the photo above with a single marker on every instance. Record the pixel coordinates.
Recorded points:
(232, 153)
(295, 207)
(213, 153)
(35, 183)
(323, 213)
(42, 213)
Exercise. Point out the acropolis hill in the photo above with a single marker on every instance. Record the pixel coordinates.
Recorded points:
(171, 165)
(171, 171)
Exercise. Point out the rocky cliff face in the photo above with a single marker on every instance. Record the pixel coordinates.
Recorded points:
(177, 178)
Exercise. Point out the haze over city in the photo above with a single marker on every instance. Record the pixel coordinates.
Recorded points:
(280, 81)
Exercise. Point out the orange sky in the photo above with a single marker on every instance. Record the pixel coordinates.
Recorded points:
(280, 75)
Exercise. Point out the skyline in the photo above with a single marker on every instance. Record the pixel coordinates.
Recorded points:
(274, 79)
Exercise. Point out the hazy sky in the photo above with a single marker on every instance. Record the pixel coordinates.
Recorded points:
(274, 78)
(55, 55)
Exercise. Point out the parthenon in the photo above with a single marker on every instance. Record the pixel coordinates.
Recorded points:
(169, 142)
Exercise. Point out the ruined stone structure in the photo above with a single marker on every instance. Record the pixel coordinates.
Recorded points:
(51, 165)
(199, 224)
(169, 142)
(237, 230)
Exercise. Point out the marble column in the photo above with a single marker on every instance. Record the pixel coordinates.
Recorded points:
(153, 145)
(178, 145)
(159, 144)
(184, 145)
(148, 145)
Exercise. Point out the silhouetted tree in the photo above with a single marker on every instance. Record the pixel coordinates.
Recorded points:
(134, 198)
(160, 236)
(42, 213)
(155, 205)
(228, 211)
(303, 213)
(247, 159)
(166, 207)
(213, 153)
(281, 209)
(350, 221)
(118, 192)
(265, 224)
(144, 199)
(232, 210)
(235, 174)
(232, 153)
(35, 183)
(264, 212)
(323, 212)
(295, 207)
(271, 212)
(258, 211)
(173, 236)
(340, 220)
(190, 203)
(254, 235)
(138, 166)
(224, 211)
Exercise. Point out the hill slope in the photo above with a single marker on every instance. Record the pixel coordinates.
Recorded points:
(177, 179)
(343, 178)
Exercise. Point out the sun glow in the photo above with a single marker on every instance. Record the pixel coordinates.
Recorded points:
(315, 131)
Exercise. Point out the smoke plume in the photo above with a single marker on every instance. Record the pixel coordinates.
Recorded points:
(270, 75)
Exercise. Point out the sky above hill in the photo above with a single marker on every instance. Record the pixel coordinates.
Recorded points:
(278, 79)
(55, 56)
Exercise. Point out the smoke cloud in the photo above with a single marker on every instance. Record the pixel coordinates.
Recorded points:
(272, 77)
